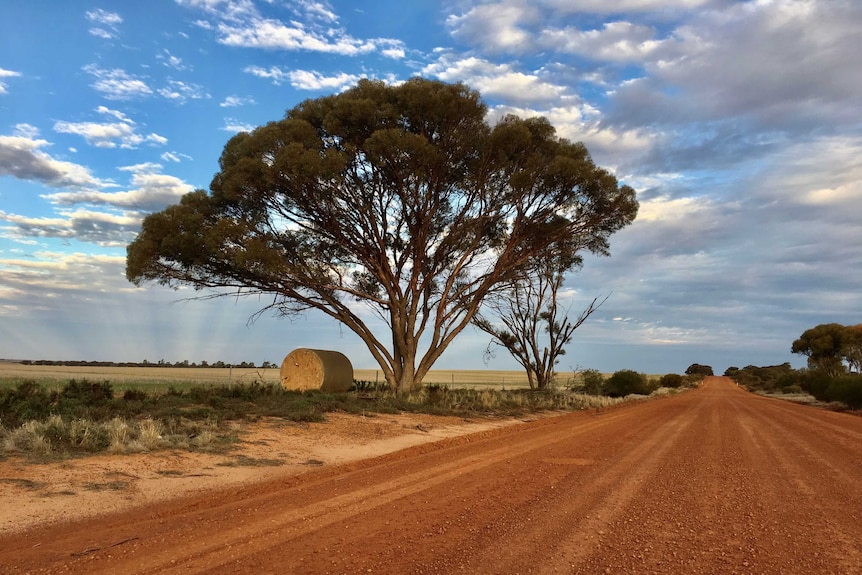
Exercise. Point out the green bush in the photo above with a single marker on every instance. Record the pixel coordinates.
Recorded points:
(847, 389)
(817, 384)
(671, 380)
(592, 381)
(698, 369)
(87, 393)
(626, 382)
(26, 402)
(768, 378)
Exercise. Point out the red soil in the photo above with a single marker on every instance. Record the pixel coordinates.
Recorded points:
(713, 481)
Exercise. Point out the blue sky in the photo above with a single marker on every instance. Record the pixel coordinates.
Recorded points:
(738, 123)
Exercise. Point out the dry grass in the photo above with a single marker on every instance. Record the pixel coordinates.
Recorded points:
(58, 437)
(124, 377)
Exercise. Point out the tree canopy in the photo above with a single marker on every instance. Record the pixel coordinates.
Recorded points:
(828, 345)
(698, 369)
(401, 200)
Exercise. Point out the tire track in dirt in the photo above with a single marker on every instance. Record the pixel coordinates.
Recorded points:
(239, 543)
(225, 513)
(821, 476)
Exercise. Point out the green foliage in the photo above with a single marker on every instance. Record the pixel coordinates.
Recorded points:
(672, 380)
(627, 382)
(765, 378)
(592, 381)
(698, 369)
(194, 419)
(87, 393)
(846, 389)
(828, 345)
(25, 402)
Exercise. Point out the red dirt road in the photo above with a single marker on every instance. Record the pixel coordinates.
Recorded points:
(713, 481)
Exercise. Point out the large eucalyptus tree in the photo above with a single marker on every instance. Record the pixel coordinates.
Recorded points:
(399, 199)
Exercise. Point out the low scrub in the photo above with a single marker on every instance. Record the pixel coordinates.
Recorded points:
(628, 382)
(57, 436)
(84, 417)
(846, 389)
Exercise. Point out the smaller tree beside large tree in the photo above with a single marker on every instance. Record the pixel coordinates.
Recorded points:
(526, 320)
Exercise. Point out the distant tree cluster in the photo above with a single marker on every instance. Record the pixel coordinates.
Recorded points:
(627, 382)
(145, 363)
(844, 388)
(832, 348)
(834, 353)
(698, 369)
(771, 378)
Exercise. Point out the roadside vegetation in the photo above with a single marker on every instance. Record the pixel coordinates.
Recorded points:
(833, 378)
(80, 416)
(841, 391)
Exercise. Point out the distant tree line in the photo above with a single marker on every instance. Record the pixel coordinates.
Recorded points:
(834, 353)
(145, 363)
(626, 382)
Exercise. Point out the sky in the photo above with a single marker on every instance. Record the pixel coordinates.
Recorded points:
(739, 123)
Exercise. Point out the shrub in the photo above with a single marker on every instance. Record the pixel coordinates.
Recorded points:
(671, 380)
(817, 384)
(592, 381)
(134, 395)
(698, 369)
(847, 389)
(27, 401)
(88, 393)
(626, 382)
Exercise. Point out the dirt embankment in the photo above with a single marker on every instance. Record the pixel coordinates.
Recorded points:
(712, 481)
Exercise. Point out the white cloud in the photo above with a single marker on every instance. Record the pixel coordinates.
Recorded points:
(824, 175)
(780, 64)
(174, 157)
(181, 92)
(108, 23)
(315, 29)
(117, 84)
(26, 131)
(6, 74)
(100, 228)
(172, 61)
(231, 10)
(273, 34)
(491, 79)
(151, 191)
(313, 9)
(122, 133)
(496, 26)
(48, 282)
(311, 80)
(22, 158)
(621, 6)
(615, 42)
(235, 101)
(274, 73)
(100, 16)
(236, 126)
